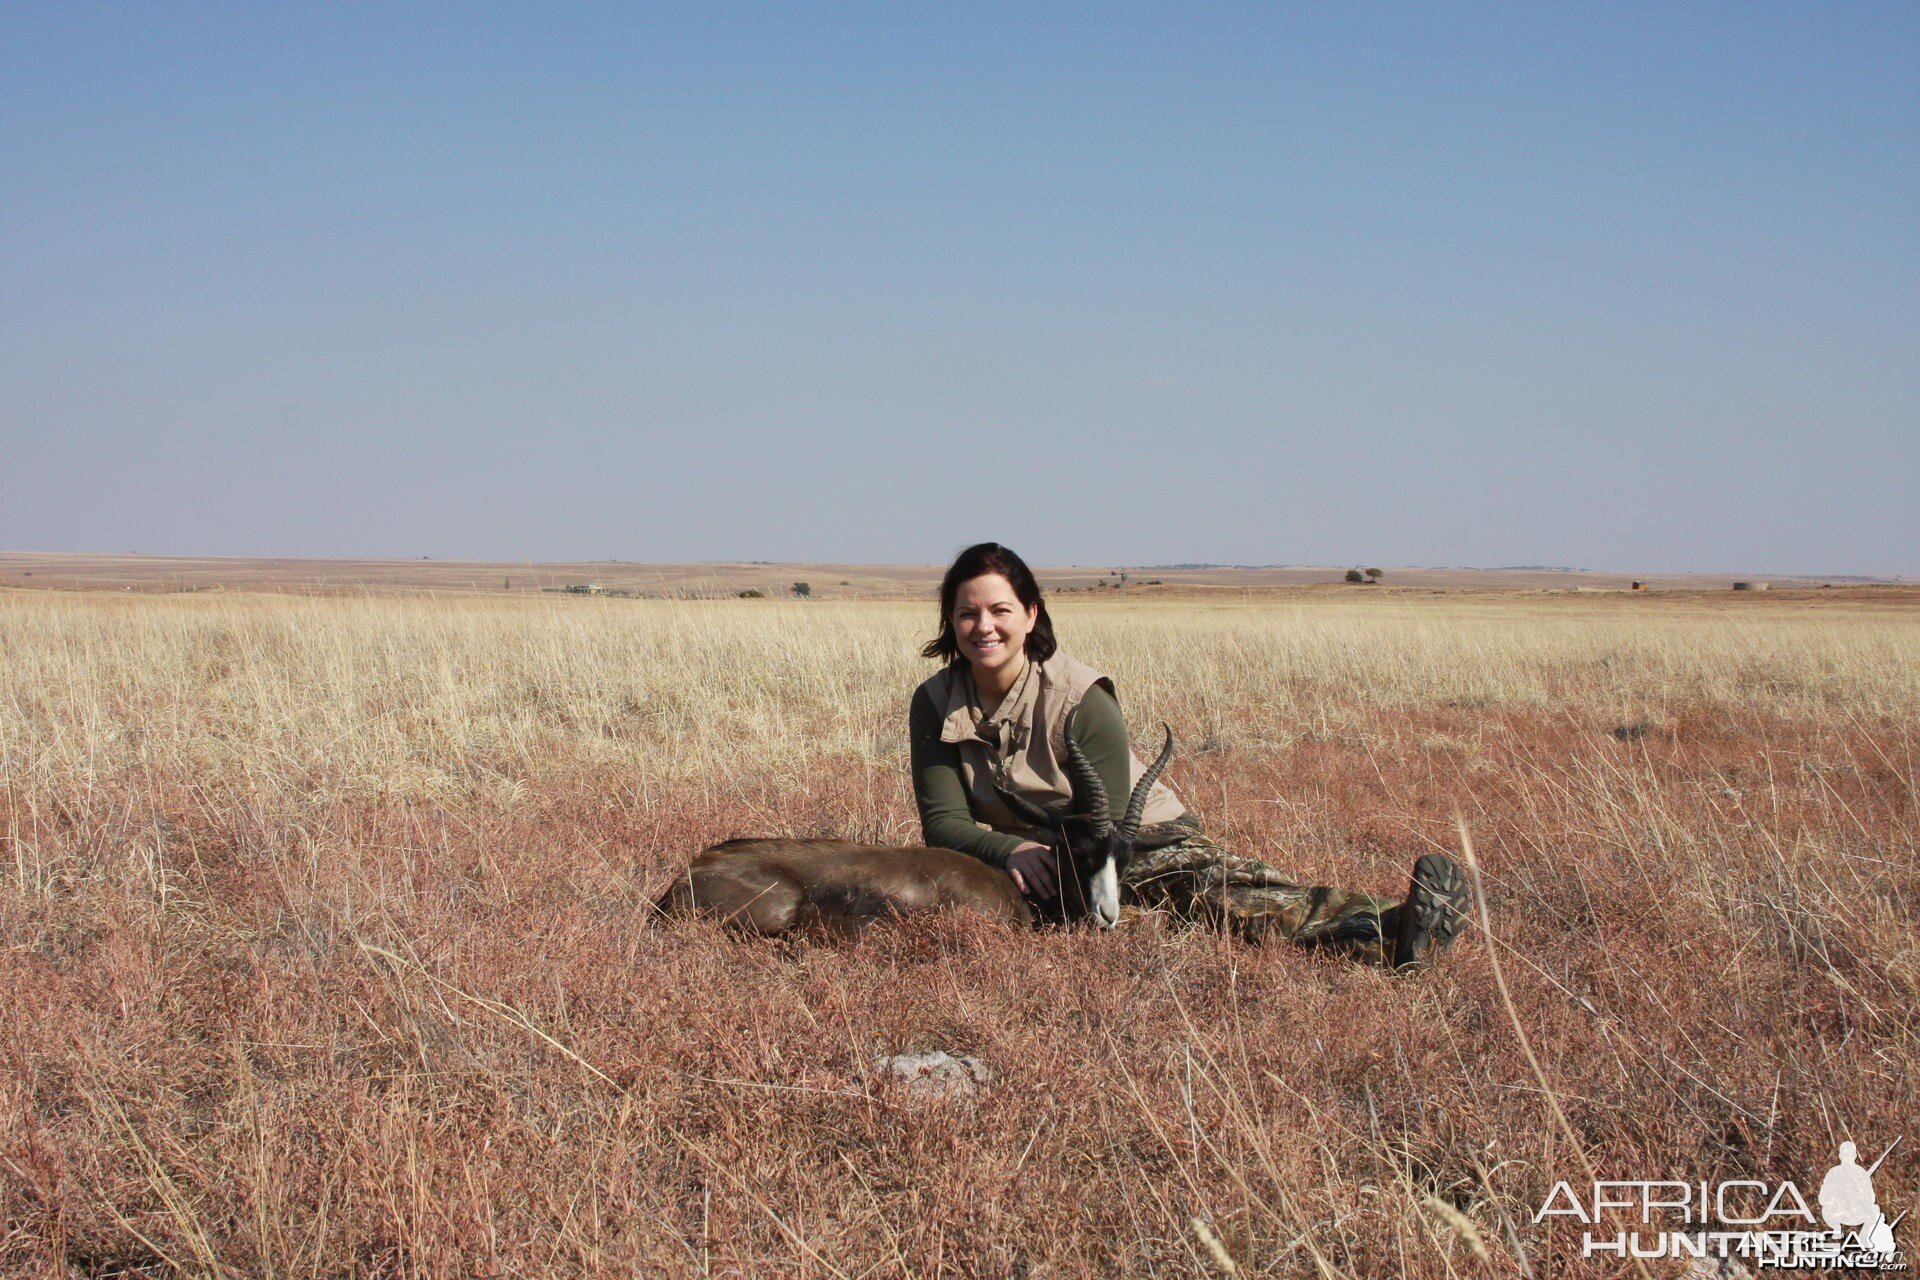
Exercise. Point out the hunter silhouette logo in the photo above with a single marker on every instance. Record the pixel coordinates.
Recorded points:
(1769, 1224)
(1848, 1204)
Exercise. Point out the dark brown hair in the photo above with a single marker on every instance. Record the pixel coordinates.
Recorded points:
(976, 561)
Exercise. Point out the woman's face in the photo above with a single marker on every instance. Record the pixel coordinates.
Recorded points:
(990, 623)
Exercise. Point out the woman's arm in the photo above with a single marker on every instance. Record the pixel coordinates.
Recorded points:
(945, 820)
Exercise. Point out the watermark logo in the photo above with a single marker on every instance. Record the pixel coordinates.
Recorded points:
(1768, 1224)
(1848, 1205)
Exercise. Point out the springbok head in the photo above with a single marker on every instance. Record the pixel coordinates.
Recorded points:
(1100, 847)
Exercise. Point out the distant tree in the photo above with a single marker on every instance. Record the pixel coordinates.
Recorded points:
(1354, 575)
(752, 593)
(802, 589)
(1376, 574)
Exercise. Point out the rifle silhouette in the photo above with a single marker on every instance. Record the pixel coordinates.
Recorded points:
(1884, 1155)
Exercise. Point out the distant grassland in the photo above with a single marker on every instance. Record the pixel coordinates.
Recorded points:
(415, 697)
(327, 922)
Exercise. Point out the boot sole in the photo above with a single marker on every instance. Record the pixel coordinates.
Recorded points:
(1436, 909)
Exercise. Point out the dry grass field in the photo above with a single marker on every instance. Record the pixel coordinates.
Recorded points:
(325, 930)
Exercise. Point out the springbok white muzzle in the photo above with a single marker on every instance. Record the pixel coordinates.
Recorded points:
(1104, 893)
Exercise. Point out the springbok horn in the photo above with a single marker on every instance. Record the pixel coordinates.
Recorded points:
(1137, 802)
(1088, 791)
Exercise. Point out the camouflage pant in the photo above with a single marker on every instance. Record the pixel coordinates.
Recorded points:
(1195, 879)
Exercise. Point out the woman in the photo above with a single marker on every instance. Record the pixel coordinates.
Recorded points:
(997, 716)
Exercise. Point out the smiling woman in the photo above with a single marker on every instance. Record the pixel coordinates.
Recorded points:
(1012, 730)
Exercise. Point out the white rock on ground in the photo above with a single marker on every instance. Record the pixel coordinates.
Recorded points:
(934, 1073)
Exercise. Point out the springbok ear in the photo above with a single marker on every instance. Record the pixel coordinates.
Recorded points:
(1029, 812)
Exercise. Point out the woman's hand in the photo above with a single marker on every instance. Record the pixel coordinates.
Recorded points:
(1033, 868)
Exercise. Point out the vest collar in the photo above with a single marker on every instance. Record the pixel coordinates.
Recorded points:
(962, 719)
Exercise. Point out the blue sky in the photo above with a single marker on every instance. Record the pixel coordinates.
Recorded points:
(1625, 286)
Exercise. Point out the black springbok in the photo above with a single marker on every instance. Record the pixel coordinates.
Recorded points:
(771, 886)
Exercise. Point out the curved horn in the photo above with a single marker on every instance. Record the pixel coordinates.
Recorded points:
(1137, 802)
(1088, 791)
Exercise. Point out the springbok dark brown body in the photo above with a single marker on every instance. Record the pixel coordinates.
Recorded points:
(772, 886)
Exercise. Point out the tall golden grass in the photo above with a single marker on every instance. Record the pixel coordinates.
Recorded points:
(327, 928)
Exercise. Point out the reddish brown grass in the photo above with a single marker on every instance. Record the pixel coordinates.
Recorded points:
(254, 1032)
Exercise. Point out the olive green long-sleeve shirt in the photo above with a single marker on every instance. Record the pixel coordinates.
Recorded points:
(945, 820)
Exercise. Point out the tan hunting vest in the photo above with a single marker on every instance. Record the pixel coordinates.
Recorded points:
(1028, 750)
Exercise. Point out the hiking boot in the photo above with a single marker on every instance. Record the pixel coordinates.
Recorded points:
(1436, 907)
